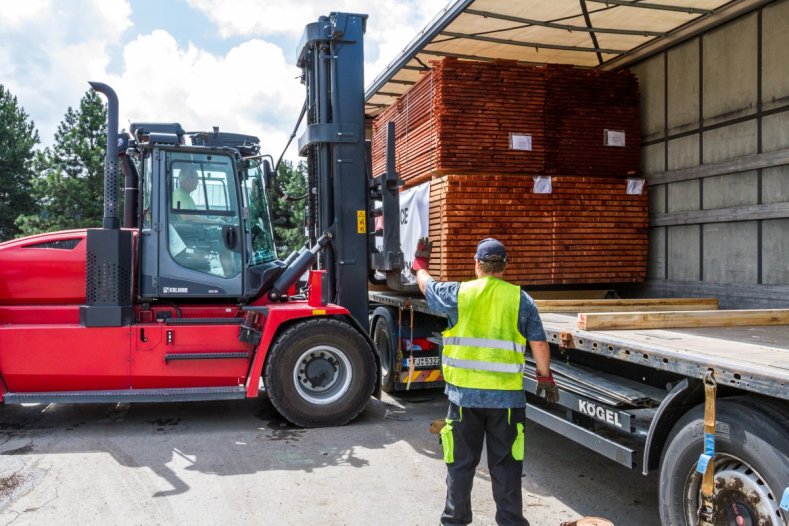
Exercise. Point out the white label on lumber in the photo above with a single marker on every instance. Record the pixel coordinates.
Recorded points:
(520, 142)
(635, 186)
(614, 138)
(414, 222)
(542, 185)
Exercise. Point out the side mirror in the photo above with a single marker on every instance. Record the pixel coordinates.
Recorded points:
(268, 173)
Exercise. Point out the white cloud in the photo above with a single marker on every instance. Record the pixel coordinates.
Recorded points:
(390, 26)
(249, 90)
(14, 14)
(51, 49)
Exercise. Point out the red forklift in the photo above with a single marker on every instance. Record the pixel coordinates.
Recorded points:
(187, 300)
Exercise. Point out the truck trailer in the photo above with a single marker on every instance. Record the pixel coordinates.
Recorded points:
(638, 388)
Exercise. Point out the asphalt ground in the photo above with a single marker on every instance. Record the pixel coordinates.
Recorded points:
(239, 463)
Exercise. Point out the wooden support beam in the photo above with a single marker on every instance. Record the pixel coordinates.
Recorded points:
(620, 305)
(676, 320)
(577, 295)
(722, 215)
(740, 164)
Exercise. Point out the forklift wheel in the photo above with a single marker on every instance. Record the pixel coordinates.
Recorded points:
(320, 372)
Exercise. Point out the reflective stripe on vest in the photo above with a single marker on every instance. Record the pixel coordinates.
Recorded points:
(486, 342)
(484, 366)
(485, 349)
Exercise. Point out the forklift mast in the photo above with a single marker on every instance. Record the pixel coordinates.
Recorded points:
(332, 61)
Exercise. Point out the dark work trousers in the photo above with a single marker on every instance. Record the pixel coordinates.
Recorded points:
(498, 427)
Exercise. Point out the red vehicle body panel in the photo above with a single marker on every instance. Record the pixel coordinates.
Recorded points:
(64, 357)
(44, 348)
(150, 368)
(36, 273)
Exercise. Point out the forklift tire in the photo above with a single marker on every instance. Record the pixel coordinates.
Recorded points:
(384, 337)
(320, 372)
(751, 464)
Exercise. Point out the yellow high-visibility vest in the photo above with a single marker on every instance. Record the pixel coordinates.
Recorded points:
(485, 349)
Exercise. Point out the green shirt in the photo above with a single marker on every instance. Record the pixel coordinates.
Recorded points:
(182, 200)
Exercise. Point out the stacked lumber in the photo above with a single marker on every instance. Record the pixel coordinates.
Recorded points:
(589, 230)
(477, 107)
(580, 105)
(455, 129)
(415, 132)
(459, 118)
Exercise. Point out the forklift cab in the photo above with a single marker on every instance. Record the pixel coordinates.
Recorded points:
(205, 230)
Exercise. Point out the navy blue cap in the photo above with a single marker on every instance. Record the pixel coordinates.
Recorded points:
(490, 250)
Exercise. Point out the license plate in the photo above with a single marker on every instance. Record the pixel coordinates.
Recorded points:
(423, 362)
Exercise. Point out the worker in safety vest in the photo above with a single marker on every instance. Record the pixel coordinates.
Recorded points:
(490, 323)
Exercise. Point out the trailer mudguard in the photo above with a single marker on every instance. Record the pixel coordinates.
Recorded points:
(686, 394)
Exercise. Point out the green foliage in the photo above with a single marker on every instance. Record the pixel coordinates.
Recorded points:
(287, 217)
(69, 188)
(18, 136)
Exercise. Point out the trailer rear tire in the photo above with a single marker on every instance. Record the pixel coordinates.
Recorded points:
(320, 372)
(751, 463)
(384, 337)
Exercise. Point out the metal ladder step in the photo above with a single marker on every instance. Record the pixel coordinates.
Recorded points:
(189, 394)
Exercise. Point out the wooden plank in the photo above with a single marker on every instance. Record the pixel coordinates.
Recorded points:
(675, 319)
(722, 215)
(622, 305)
(741, 164)
(569, 294)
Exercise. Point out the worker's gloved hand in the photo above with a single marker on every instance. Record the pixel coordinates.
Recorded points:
(422, 254)
(546, 388)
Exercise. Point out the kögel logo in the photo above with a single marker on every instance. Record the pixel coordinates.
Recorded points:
(175, 290)
(598, 412)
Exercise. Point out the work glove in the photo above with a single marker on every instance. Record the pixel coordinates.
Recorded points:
(422, 254)
(547, 389)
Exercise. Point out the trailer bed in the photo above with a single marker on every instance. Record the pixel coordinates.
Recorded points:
(754, 359)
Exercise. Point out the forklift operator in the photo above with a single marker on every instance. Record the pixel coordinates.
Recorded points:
(490, 323)
(187, 183)
(188, 245)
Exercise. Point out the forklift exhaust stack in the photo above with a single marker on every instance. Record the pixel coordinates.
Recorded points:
(111, 217)
(108, 273)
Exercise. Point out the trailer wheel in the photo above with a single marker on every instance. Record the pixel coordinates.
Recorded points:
(751, 465)
(384, 337)
(320, 372)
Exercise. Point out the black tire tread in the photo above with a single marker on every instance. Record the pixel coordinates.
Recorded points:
(388, 381)
(278, 395)
(759, 419)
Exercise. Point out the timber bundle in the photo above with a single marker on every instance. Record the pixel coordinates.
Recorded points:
(538, 157)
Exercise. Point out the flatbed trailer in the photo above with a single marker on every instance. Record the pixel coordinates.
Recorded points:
(638, 397)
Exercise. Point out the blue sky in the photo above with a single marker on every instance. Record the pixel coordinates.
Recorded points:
(203, 63)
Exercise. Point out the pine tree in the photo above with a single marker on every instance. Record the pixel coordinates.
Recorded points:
(288, 215)
(18, 136)
(69, 190)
